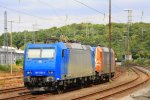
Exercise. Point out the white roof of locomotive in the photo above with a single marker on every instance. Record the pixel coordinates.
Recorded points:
(78, 46)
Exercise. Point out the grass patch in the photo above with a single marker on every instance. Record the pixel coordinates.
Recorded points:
(15, 68)
(4, 68)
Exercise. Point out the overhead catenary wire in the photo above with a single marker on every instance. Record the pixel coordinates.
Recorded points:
(42, 18)
(51, 19)
(90, 7)
(28, 14)
(25, 13)
(48, 5)
(104, 14)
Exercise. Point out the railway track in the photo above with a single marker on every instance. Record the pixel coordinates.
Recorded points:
(28, 95)
(9, 78)
(107, 93)
(148, 68)
(18, 97)
(12, 90)
(102, 94)
(119, 72)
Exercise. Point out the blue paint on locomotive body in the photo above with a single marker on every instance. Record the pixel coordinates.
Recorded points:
(93, 57)
(47, 67)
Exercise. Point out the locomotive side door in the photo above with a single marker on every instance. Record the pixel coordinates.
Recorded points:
(65, 60)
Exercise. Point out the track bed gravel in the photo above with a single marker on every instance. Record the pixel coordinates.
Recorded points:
(141, 93)
(127, 76)
(10, 81)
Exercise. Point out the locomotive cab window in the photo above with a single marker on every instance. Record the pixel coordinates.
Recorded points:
(34, 53)
(41, 53)
(48, 53)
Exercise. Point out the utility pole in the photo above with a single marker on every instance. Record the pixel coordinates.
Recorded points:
(87, 26)
(11, 46)
(34, 32)
(120, 50)
(142, 33)
(125, 42)
(24, 38)
(109, 39)
(5, 37)
(129, 24)
(142, 16)
(66, 24)
(87, 34)
(142, 25)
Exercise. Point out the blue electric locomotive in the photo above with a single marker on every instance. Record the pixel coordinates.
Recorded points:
(55, 66)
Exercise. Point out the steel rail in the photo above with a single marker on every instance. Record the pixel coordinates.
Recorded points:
(12, 90)
(115, 87)
(28, 95)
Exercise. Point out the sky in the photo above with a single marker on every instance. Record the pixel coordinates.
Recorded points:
(33, 15)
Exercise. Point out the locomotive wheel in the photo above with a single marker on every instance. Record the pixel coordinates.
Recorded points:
(60, 89)
(107, 79)
(82, 85)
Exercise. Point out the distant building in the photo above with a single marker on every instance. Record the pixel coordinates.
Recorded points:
(5, 57)
(128, 57)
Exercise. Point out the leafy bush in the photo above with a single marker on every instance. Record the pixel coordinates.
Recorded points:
(4, 68)
(140, 62)
(147, 62)
(19, 62)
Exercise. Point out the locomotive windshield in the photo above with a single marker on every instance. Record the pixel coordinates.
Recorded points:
(41, 53)
(48, 53)
(34, 53)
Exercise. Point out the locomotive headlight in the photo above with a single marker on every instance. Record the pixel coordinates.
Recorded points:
(49, 79)
(29, 72)
(27, 79)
